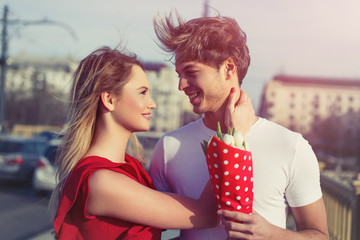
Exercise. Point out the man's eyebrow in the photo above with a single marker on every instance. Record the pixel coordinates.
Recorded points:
(190, 65)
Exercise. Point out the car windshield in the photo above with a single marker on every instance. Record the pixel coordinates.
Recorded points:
(9, 147)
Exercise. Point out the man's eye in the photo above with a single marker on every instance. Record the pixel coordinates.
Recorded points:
(191, 73)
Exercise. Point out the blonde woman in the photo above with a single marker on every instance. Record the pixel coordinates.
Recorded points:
(103, 193)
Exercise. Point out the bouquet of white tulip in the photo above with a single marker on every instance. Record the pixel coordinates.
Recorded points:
(233, 138)
(230, 169)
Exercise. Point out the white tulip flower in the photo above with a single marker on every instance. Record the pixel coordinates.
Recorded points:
(228, 139)
(239, 139)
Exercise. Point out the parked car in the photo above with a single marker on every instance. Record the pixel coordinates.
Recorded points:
(18, 157)
(44, 179)
(46, 135)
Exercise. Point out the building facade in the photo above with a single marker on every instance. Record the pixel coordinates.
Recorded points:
(297, 102)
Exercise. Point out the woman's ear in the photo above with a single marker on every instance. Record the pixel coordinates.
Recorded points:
(108, 101)
(230, 68)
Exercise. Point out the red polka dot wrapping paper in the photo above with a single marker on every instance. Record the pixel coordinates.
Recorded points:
(231, 175)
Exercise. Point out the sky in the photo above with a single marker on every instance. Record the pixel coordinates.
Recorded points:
(318, 38)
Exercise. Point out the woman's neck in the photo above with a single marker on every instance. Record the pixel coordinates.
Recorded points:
(109, 142)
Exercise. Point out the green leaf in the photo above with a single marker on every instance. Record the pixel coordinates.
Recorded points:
(219, 133)
(204, 145)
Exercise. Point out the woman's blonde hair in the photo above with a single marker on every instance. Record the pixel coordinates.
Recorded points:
(104, 70)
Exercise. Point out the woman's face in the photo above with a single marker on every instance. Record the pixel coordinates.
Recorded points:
(133, 107)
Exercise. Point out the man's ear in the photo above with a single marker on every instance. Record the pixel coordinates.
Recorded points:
(108, 101)
(230, 68)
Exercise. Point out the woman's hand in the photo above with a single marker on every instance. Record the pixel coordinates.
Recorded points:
(239, 113)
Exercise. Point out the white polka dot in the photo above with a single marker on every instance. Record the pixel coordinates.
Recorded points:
(249, 157)
(247, 207)
(238, 207)
(226, 173)
(215, 155)
(226, 162)
(209, 166)
(225, 150)
(217, 186)
(245, 178)
(244, 167)
(251, 179)
(246, 189)
(236, 165)
(208, 156)
(249, 168)
(214, 144)
(216, 176)
(237, 188)
(237, 177)
(244, 157)
(219, 206)
(215, 165)
(227, 193)
(228, 203)
(247, 199)
(238, 198)
(236, 155)
(218, 197)
(227, 183)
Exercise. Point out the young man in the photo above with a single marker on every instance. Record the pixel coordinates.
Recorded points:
(211, 57)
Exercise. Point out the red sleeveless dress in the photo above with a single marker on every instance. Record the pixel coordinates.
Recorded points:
(72, 221)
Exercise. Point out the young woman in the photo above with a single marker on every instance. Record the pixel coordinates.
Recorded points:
(103, 193)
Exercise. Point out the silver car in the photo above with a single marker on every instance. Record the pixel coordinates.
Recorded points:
(18, 157)
(44, 179)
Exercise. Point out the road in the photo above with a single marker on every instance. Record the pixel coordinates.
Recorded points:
(23, 214)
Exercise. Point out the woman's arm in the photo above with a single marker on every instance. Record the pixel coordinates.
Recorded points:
(116, 195)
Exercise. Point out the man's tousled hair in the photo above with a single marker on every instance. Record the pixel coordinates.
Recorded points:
(209, 40)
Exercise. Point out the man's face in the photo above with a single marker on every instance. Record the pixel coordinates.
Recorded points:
(204, 85)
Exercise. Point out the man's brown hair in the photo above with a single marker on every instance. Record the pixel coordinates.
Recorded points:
(209, 40)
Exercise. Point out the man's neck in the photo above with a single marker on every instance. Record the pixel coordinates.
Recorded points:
(211, 121)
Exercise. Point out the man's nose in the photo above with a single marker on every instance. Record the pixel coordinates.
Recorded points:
(183, 83)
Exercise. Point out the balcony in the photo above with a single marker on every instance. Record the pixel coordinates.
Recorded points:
(342, 202)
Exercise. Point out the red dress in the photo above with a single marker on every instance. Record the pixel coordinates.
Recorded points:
(72, 220)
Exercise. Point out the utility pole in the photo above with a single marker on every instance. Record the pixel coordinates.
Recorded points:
(206, 8)
(3, 68)
(4, 48)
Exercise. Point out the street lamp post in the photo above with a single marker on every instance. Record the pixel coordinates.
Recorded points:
(3, 62)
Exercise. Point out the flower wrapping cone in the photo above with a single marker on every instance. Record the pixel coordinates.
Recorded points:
(231, 174)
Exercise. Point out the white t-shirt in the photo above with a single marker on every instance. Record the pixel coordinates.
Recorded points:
(285, 169)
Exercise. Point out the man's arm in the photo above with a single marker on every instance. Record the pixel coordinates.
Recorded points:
(310, 221)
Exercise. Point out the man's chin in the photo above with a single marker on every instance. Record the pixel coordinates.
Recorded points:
(197, 110)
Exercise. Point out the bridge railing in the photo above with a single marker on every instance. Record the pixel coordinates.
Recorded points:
(342, 202)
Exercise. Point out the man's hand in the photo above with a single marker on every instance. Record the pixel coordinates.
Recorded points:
(239, 113)
(249, 226)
